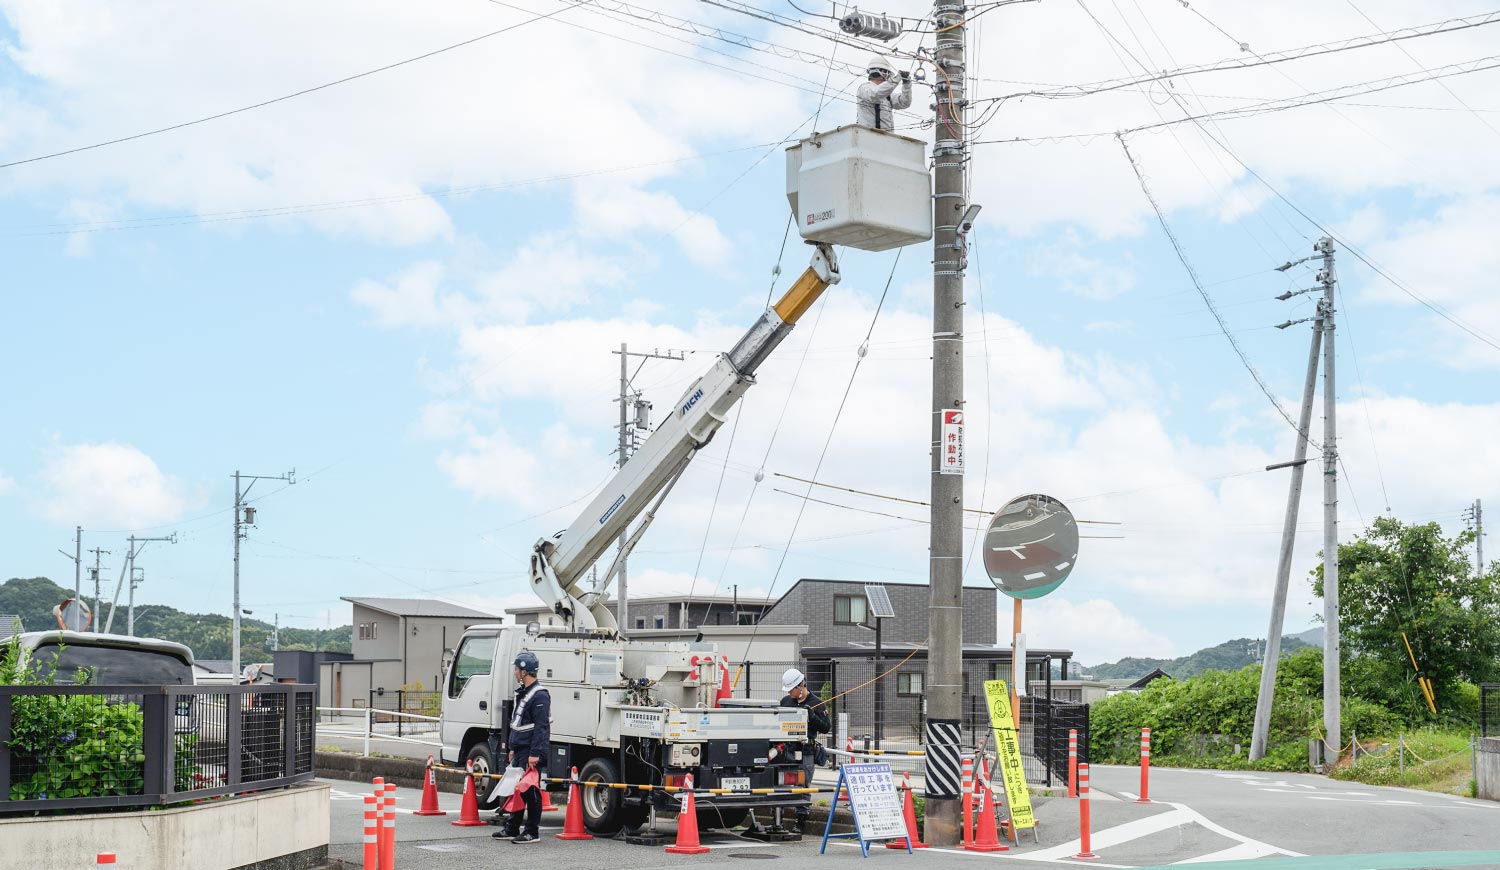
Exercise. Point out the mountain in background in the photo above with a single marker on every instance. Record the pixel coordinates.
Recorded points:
(208, 635)
(1231, 655)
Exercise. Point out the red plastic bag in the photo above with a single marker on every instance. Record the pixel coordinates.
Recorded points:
(516, 802)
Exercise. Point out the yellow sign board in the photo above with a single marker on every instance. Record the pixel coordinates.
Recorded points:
(1008, 745)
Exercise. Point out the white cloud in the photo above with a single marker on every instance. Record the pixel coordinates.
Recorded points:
(1097, 630)
(7, 484)
(108, 486)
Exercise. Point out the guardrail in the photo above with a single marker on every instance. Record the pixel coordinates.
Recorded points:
(90, 747)
(366, 724)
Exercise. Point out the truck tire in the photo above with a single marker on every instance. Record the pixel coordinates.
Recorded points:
(484, 763)
(603, 810)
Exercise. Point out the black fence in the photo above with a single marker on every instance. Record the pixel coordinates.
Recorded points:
(1489, 709)
(93, 747)
(889, 713)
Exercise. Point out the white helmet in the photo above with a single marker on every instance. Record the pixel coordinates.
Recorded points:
(791, 679)
(881, 65)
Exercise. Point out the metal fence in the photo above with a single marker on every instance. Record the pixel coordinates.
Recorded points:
(91, 747)
(1489, 709)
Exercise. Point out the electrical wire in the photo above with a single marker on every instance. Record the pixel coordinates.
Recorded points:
(284, 97)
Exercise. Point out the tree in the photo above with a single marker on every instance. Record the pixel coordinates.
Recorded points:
(1397, 578)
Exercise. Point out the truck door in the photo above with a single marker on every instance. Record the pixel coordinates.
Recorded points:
(466, 697)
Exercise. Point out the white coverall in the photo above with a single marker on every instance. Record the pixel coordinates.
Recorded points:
(878, 103)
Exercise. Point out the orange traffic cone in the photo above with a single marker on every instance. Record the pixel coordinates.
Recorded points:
(726, 690)
(986, 837)
(910, 811)
(547, 804)
(687, 827)
(573, 821)
(429, 793)
(468, 811)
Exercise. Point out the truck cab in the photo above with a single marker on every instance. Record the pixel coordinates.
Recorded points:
(639, 713)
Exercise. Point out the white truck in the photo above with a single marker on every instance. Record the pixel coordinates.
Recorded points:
(627, 711)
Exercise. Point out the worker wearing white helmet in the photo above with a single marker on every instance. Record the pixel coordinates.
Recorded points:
(879, 98)
(794, 684)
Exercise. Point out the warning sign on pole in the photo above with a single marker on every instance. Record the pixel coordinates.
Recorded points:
(1008, 745)
(951, 444)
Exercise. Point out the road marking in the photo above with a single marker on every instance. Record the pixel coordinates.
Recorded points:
(1237, 852)
(1152, 824)
(1344, 793)
(1101, 795)
(1128, 795)
(1225, 832)
(1392, 802)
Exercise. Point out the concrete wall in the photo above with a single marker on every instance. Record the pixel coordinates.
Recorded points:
(215, 835)
(1487, 767)
(387, 642)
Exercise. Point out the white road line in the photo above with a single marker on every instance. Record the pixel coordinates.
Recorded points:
(1237, 852)
(1001, 856)
(1118, 834)
(1342, 793)
(1129, 795)
(1225, 832)
(1390, 802)
(1101, 795)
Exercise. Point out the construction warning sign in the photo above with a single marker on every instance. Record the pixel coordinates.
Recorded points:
(1008, 745)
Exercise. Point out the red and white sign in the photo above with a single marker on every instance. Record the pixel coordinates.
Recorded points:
(951, 445)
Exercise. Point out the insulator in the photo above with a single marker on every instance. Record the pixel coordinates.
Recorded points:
(760, 474)
(864, 349)
(875, 26)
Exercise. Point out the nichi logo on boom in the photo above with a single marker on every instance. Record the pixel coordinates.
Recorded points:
(692, 400)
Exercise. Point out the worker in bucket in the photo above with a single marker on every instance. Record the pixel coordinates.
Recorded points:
(879, 97)
(794, 684)
(530, 742)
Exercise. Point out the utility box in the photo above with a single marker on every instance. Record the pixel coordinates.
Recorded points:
(861, 188)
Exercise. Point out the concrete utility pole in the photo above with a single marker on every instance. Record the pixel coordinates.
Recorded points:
(128, 570)
(276, 634)
(94, 573)
(245, 516)
(1332, 724)
(635, 417)
(77, 557)
(137, 577)
(1272, 656)
(951, 219)
(1475, 515)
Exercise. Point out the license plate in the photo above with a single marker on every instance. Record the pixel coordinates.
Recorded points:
(735, 783)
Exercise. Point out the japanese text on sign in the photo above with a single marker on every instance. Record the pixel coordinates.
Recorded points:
(873, 797)
(951, 443)
(997, 698)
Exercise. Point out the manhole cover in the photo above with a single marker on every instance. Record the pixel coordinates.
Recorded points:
(761, 855)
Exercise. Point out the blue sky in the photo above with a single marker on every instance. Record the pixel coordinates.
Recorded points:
(437, 368)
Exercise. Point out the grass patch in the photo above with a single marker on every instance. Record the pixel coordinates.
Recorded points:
(1435, 761)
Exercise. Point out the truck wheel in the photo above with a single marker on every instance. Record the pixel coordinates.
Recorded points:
(723, 818)
(602, 810)
(484, 763)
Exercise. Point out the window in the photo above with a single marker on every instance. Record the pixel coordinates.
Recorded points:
(849, 609)
(747, 618)
(367, 630)
(909, 683)
(640, 623)
(473, 659)
(660, 622)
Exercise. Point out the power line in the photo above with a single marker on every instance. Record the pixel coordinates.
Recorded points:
(285, 97)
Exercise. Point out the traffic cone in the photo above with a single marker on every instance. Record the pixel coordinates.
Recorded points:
(986, 837)
(104, 858)
(429, 793)
(910, 811)
(573, 822)
(687, 826)
(547, 804)
(468, 811)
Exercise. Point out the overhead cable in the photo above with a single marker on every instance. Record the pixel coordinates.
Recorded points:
(285, 97)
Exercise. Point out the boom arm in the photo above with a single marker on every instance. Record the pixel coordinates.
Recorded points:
(559, 562)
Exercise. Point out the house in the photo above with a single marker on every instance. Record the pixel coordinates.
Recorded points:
(1147, 680)
(648, 612)
(1075, 691)
(398, 652)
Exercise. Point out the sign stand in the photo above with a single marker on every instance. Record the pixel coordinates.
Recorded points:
(873, 802)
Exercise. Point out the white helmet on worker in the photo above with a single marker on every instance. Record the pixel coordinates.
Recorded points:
(880, 66)
(791, 679)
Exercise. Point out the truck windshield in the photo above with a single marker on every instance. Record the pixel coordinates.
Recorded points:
(111, 666)
(474, 657)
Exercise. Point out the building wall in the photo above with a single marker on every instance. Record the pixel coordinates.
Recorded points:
(811, 602)
(387, 642)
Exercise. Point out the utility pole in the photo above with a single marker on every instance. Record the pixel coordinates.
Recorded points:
(77, 557)
(245, 516)
(635, 417)
(1475, 515)
(276, 634)
(1332, 724)
(94, 573)
(952, 217)
(1272, 657)
(128, 570)
(135, 580)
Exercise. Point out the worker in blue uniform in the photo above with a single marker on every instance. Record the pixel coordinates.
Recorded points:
(530, 742)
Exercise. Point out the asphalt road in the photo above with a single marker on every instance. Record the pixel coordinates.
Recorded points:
(1200, 817)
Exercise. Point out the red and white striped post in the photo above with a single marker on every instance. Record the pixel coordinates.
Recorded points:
(104, 858)
(388, 845)
(968, 822)
(1145, 797)
(372, 826)
(1072, 762)
(1085, 850)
